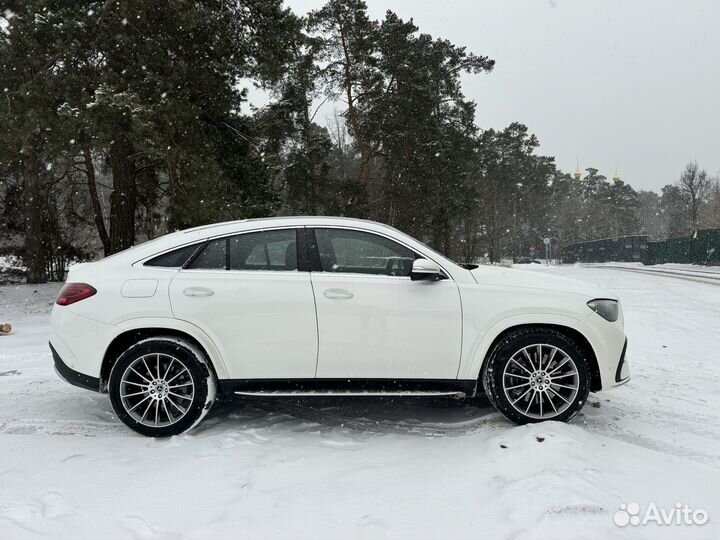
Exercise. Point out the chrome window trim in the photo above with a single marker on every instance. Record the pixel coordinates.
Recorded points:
(210, 239)
(448, 275)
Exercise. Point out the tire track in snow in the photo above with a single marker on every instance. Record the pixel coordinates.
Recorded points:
(84, 428)
(686, 276)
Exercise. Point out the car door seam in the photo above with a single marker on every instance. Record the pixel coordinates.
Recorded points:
(462, 331)
(317, 325)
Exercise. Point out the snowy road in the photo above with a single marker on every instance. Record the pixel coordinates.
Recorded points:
(373, 469)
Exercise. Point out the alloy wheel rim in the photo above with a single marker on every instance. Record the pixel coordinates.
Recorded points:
(156, 390)
(541, 381)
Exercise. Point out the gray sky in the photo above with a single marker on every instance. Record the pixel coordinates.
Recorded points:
(627, 83)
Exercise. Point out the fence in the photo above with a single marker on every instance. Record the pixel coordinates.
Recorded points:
(703, 247)
(622, 249)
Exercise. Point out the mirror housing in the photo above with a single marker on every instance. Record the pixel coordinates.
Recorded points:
(424, 269)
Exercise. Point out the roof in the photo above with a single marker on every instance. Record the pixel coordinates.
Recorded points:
(274, 221)
(214, 230)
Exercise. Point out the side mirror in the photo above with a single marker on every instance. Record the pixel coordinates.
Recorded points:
(425, 269)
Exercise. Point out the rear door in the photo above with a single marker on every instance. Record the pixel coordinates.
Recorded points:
(374, 322)
(252, 295)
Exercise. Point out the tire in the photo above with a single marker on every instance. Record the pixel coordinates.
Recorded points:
(527, 382)
(161, 386)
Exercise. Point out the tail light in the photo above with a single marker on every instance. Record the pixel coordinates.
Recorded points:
(74, 292)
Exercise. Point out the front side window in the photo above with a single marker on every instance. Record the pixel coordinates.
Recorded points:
(358, 252)
(266, 250)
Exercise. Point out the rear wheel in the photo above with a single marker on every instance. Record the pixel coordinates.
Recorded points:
(161, 386)
(537, 374)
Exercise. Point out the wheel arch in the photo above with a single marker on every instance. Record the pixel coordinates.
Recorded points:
(137, 332)
(572, 333)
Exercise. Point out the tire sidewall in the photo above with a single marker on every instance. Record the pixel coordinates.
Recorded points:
(508, 346)
(198, 371)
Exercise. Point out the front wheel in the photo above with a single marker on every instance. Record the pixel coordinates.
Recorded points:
(161, 386)
(537, 374)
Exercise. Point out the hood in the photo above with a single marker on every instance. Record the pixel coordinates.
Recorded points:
(539, 280)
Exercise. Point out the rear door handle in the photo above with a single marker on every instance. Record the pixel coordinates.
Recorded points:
(338, 294)
(198, 291)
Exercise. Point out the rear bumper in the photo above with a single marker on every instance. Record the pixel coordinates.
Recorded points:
(74, 377)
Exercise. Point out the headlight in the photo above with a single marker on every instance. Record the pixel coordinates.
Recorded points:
(607, 309)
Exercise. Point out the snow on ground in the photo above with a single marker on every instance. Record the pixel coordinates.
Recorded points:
(676, 267)
(687, 268)
(369, 468)
(11, 270)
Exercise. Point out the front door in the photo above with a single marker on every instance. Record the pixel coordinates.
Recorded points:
(247, 293)
(374, 322)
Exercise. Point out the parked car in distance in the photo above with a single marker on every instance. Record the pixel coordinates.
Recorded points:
(527, 260)
(318, 306)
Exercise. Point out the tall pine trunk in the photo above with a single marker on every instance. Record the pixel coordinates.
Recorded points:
(176, 194)
(34, 256)
(366, 154)
(94, 199)
(124, 195)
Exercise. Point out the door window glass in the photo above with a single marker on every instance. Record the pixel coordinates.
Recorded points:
(357, 252)
(266, 250)
(173, 259)
(212, 257)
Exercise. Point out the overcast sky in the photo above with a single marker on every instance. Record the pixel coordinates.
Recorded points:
(627, 83)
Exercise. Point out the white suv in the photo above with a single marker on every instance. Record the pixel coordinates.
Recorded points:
(298, 306)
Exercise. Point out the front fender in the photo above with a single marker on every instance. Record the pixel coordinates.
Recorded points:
(480, 348)
(180, 326)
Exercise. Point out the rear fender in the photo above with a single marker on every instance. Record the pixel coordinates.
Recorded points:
(185, 327)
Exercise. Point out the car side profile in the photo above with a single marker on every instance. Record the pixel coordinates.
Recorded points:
(317, 306)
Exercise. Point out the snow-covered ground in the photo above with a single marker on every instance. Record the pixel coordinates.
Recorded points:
(368, 468)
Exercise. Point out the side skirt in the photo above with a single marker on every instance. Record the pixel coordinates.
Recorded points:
(349, 387)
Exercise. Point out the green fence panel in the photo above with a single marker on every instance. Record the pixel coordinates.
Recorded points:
(703, 247)
(656, 252)
(678, 250)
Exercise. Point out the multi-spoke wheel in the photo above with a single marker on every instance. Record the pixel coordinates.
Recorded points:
(537, 374)
(161, 387)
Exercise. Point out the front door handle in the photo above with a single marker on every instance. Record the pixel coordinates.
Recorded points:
(198, 291)
(338, 294)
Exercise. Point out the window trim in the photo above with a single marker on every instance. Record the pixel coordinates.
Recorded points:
(306, 263)
(316, 264)
(300, 249)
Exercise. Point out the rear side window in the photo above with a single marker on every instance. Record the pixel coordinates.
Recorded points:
(173, 259)
(212, 257)
(266, 250)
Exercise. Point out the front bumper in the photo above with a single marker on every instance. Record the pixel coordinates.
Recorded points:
(74, 377)
(609, 344)
(622, 373)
